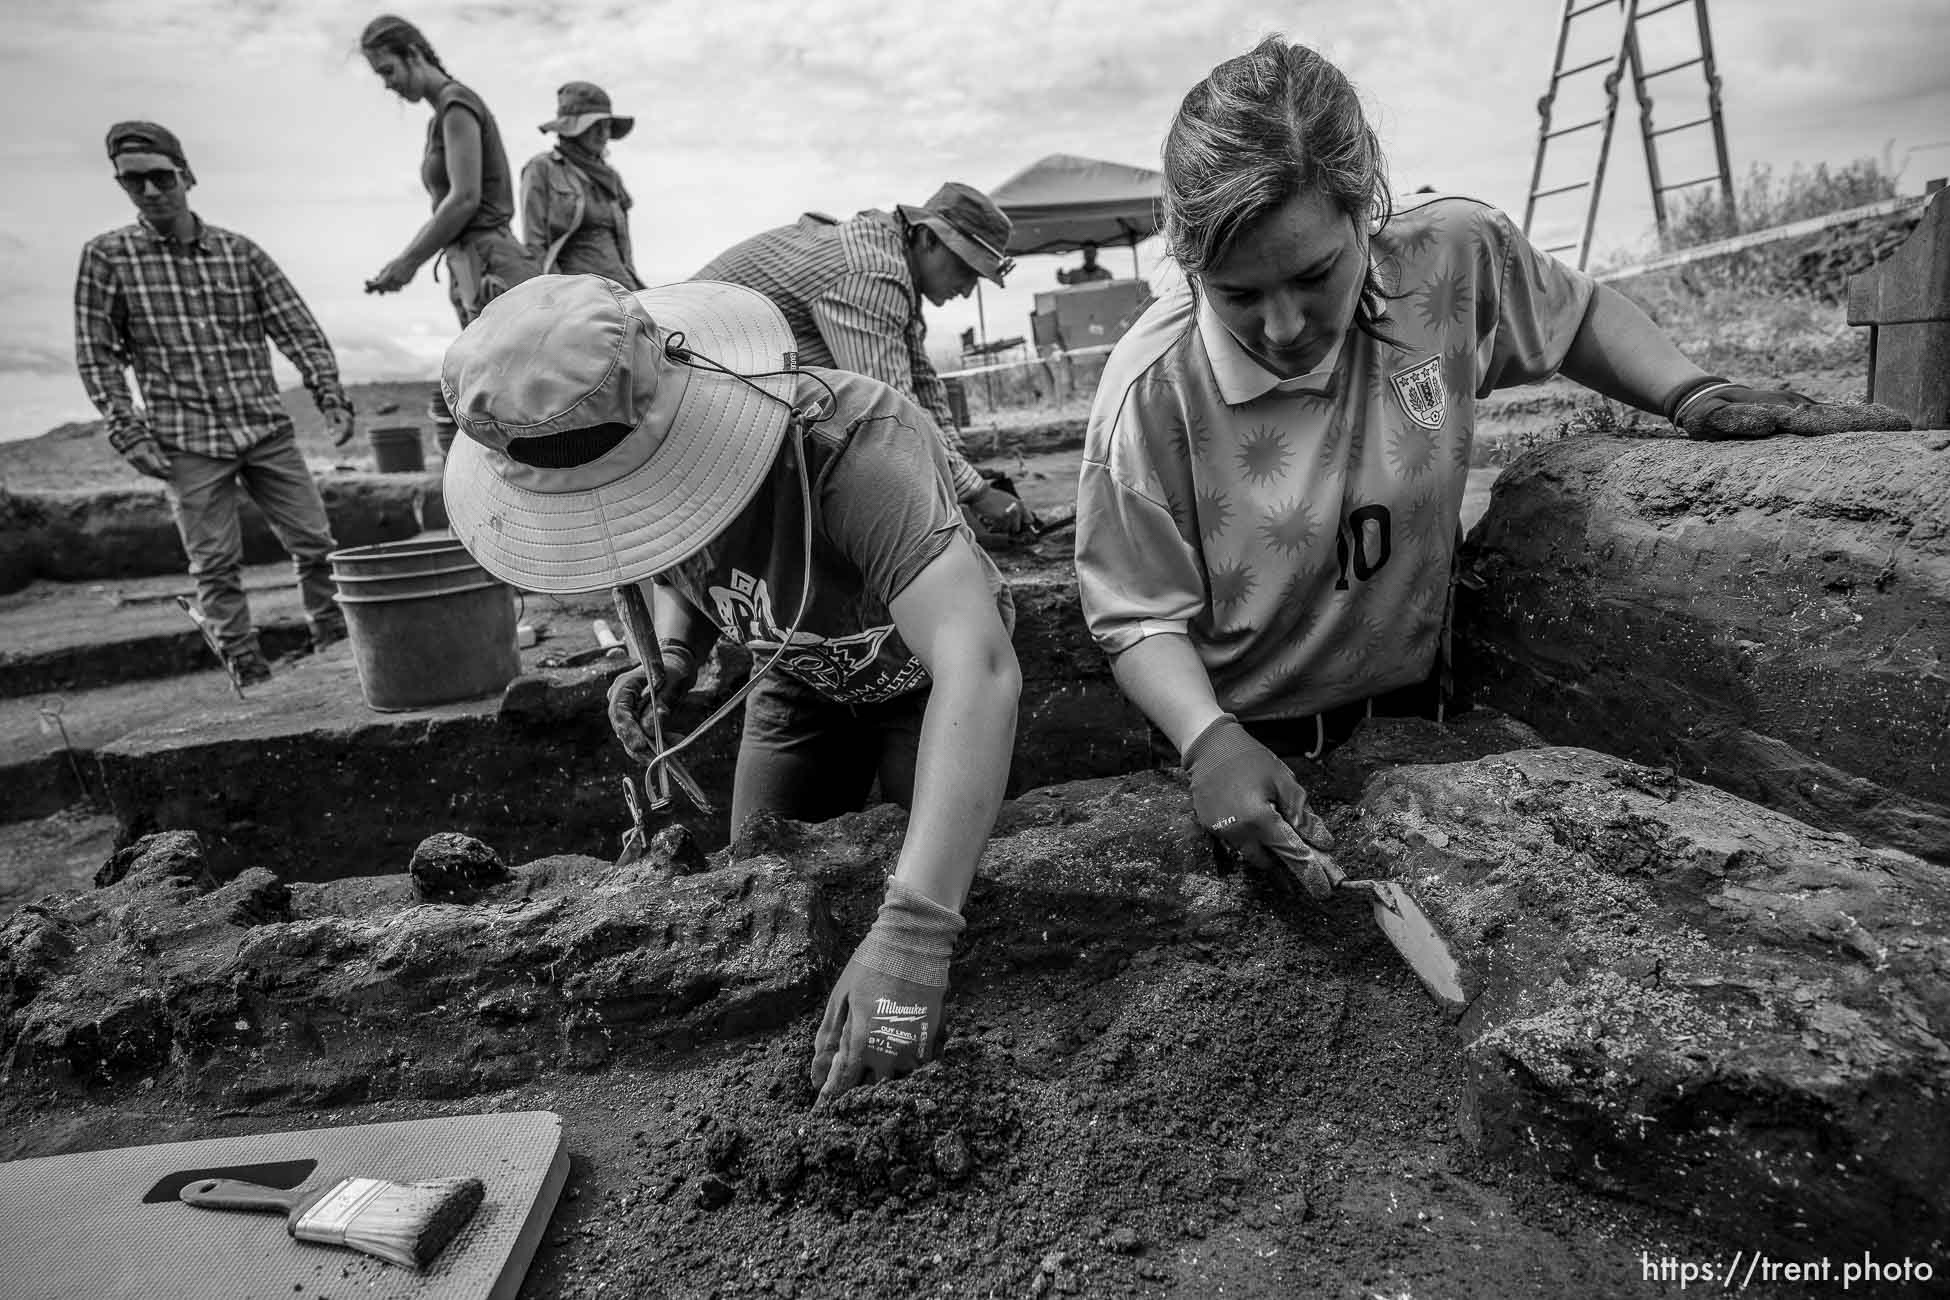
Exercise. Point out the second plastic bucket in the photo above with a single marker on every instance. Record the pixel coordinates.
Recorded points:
(427, 624)
(396, 449)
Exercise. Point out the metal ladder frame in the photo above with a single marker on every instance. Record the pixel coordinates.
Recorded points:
(1627, 60)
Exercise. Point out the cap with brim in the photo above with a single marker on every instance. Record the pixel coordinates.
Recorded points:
(557, 355)
(970, 224)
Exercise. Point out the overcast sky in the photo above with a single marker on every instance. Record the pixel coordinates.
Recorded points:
(749, 113)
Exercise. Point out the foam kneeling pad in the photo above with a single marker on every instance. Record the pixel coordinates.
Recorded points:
(1759, 420)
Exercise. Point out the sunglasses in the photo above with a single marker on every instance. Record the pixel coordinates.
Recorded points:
(1003, 265)
(164, 179)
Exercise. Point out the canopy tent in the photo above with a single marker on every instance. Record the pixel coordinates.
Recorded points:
(1064, 202)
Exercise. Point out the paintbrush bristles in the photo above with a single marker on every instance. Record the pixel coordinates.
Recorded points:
(405, 1223)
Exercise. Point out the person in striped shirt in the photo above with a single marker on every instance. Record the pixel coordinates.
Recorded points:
(852, 292)
(188, 306)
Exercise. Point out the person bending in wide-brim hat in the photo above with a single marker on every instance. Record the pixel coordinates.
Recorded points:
(664, 437)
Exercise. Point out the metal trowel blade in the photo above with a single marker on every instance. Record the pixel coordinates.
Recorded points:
(1420, 944)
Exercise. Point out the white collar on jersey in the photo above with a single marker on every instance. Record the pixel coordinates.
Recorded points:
(1241, 377)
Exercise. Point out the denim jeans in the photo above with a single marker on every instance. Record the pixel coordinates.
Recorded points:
(807, 758)
(203, 497)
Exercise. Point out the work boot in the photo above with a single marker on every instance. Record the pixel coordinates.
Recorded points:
(327, 634)
(249, 667)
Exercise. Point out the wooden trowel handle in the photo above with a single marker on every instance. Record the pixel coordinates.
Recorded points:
(641, 630)
(230, 1194)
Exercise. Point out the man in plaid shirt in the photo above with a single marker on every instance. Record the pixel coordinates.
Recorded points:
(188, 307)
(852, 290)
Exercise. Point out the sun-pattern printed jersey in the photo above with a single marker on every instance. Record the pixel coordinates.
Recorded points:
(1302, 532)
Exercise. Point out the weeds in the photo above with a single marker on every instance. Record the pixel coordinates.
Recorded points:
(1763, 200)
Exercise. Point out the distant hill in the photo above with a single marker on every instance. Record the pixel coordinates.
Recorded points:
(77, 454)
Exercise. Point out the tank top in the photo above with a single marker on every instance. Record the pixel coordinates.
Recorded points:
(497, 207)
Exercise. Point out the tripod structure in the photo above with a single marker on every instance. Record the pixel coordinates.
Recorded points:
(1626, 61)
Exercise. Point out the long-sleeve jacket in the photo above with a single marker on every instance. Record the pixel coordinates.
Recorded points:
(571, 227)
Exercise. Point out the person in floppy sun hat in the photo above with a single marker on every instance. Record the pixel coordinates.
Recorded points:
(667, 437)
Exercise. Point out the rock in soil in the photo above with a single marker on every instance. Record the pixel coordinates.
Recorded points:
(453, 867)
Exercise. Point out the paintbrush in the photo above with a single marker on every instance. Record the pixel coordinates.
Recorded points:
(406, 1223)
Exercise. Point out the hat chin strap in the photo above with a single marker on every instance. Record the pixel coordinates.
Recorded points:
(795, 431)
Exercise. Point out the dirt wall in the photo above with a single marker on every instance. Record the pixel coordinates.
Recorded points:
(79, 536)
(1770, 617)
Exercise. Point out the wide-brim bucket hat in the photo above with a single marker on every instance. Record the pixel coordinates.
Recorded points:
(579, 105)
(588, 455)
(970, 224)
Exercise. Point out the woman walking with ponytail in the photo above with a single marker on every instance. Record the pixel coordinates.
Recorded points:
(465, 170)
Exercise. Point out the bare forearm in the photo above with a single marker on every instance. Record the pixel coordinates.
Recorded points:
(1164, 677)
(966, 741)
(442, 228)
(1619, 352)
(677, 620)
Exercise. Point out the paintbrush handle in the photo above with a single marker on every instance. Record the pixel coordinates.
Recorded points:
(230, 1194)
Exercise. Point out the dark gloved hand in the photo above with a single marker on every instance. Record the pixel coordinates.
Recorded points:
(883, 1018)
(627, 705)
(1247, 797)
(148, 458)
(1001, 512)
(1714, 410)
(341, 421)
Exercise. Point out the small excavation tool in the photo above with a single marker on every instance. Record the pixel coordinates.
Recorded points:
(641, 633)
(1401, 919)
(403, 1223)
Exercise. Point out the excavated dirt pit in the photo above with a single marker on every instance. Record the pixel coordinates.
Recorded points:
(1233, 1096)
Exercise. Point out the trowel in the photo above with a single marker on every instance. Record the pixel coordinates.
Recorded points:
(641, 633)
(1401, 919)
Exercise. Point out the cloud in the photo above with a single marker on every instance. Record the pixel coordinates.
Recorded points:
(751, 112)
(36, 357)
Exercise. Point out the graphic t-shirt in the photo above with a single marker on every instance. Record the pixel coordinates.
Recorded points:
(883, 511)
(1301, 532)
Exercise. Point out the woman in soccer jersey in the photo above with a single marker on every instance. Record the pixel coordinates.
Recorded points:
(1273, 475)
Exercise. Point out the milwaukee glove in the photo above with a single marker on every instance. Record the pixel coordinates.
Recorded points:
(1250, 800)
(883, 1018)
(627, 705)
(1713, 410)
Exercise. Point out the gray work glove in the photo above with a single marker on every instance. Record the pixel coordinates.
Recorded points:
(884, 1016)
(1249, 799)
(1001, 512)
(629, 709)
(1712, 410)
(146, 456)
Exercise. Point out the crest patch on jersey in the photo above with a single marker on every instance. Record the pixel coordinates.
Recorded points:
(1419, 390)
